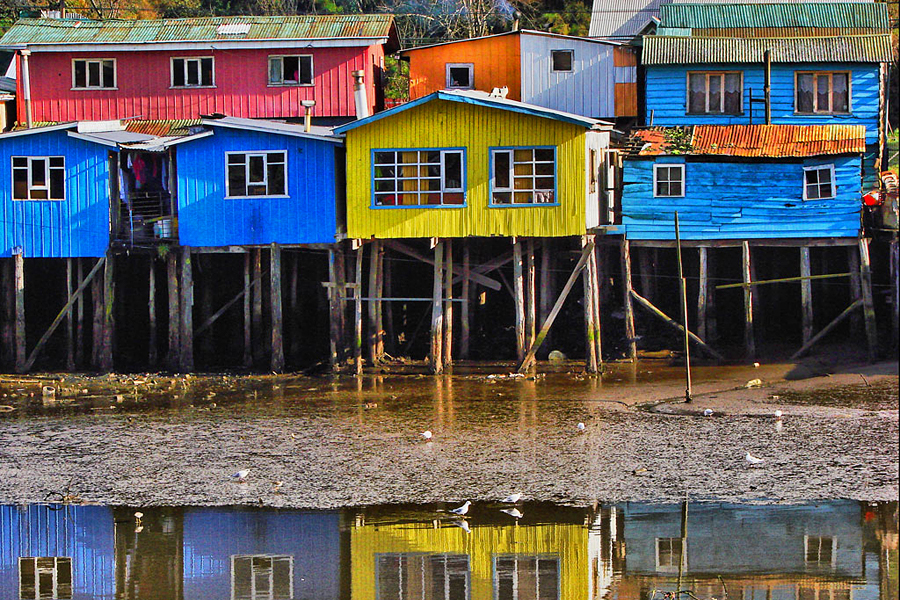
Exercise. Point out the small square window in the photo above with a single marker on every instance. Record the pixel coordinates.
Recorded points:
(818, 182)
(561, 60)
(668, 181)
(460, 76)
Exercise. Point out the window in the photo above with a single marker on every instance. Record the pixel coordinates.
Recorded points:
(523, 577)
(411, 576)
(39, 177)
(819, 551)
(669, 555)
(824, 93)
(523, 176)
(256, 174)
(94, 74)
(561, 60)
(668, 181)
(419, 177)
(460, 76)
(262, 576)
(193, 72)
(291, 70)
(818, 182)
(715, 93)
(45, 577)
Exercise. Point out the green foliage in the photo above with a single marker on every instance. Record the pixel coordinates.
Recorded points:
(573, 19)
(678, 140)
(396, 78)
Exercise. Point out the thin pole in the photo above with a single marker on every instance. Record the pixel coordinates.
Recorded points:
(681, 556)
(464, 309)
(447, 350)
(682, 284)
(275, 299)
(437, 310)
(70, 323)
(357, 313)
(519, 298)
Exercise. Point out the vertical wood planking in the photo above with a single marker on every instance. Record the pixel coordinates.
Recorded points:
(379, 307)
(357, 313)
(590, 346)
(702, 295)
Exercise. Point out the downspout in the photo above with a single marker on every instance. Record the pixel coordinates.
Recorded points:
(767, 86)
(359, 94)
(26, 86)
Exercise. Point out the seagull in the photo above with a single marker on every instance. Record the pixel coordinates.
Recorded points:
(462, 524)
(778, 413)
(241, 475)
(426, 434)
(580, 426)
(708, 412)
(512, 498)
(515, 513)
(753, 460)
(461, 510)
(138, 516)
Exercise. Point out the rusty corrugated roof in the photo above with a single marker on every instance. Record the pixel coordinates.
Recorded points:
(170, 128)
(678, 50)
(870, 16)
(205, 29)
(753, 141)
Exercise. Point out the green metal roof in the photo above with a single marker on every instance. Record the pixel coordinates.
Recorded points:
(856, 15)
(206, 29)
(676, 50)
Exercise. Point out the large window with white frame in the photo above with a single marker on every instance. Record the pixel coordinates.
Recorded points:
(262, 577)
(526, 577)
(820, 92)
(818, 182)
(94, 74)
(418, 576)
(253, 174)
(39, 178)
(670, 555)
(426, 177)
(523, 176)
(668, 181)
(715, 93)
(291, 70)
(45, 577)
(193, 72)
(819, 551)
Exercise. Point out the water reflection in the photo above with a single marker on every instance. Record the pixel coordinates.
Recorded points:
(826, 551)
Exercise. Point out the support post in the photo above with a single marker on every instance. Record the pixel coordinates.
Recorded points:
(519, 298)
(856, 318)
(173, 355)
(749, 340)
(647, 266)
(109, 321)
(465, 314)
(277, 357)
(546, 285)
(70, 322)
(530, 300)
(702, 292)
(373, 304)
(629, 305)
(97, 320)
(8, 315)
(357, 313)
(865, 273)
(248, 332)
(79, 317)
(806, 300)
(335, 294)
(257, 317)
(151, 314)
(340, 272)
(187, 311)
(447, 351)
(437, 311)
(682, 284)
(19, 299)
(379, 306)
(386, 291)
(895, 292)
(590, 348)
(595, 284)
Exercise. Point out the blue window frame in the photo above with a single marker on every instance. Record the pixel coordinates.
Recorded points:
(523, 176)
(419, 178)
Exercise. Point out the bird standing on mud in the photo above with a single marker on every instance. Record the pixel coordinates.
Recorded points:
(461, 510)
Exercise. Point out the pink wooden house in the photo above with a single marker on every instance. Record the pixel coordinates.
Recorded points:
(253, 67)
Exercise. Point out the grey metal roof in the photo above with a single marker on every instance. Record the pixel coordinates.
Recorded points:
(316, 132)
(676, 50)
(7, 84)
(815, 15)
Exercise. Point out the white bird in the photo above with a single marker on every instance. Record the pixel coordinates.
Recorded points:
(708, 412)
(426, 434)
(580, 426)
(461, 510)
(462, 524)
(778, 413)
(241, 475)
(512, 498)
(753, 460)
(138, 515)
(515, 513)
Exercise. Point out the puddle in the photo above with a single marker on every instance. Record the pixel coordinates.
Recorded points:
(533, 551)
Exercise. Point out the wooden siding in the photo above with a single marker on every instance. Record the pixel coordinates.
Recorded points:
(625, 59)
(75, 227)
(741, 200)
(495, 63)
(440, 124)
(207, 218)
(241, 86)
(589, 89)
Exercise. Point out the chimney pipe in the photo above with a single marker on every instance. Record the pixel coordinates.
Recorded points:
(359, 94)
(307, 116)
(26, 86)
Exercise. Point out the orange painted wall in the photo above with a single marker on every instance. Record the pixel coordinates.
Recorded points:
(496, 63)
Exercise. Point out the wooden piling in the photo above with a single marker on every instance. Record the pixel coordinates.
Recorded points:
(595, 284)
(437, 311)
(519, 298)
(465, 309)
(173, 356)
(447, 350)
(340, 271)
(590, 329)
(151, 315)
(97, 321)
(256, 328)
(647, 274)
(702, 303)
(856, 317)
(357, 313)
(546, 283)
(865, 273)
(79, 317)
(387, 288)
(248, 332)
(8, 314)
(379, 305)
(277, 355)
(186, 303)
(749, 339)
(372, 351)
(19, 302)
(109, 321)
(629, 305)
(806, 300)
(530, 292)
(895, 292)
(335, 306)
(293, 265)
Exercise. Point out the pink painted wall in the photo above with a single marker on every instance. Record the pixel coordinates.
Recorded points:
(241, 86)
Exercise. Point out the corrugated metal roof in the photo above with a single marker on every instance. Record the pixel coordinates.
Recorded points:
(817, 15)
(672, 50)
(755, 141)
(763, 32)
(162, 128)
(114, 31)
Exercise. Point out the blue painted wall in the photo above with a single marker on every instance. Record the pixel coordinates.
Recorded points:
(207, 218)
(666, 98)
(78, 226)
(740, 200)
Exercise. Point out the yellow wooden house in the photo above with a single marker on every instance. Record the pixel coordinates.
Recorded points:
(467, 163)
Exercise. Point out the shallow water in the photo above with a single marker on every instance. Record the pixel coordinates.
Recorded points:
(836, 550)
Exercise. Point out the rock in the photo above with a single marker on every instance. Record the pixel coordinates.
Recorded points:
(556, 356)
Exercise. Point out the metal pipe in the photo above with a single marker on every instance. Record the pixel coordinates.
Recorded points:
(26, 86)
(688, 392)
(307, 115)
(359, 94)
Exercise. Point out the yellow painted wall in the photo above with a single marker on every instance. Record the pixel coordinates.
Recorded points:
(446, 124)
(567, 541)
(495, 63)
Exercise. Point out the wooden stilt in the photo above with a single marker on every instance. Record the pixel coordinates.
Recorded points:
(595, 283)
(357, 314)
(277, 355)
(827, 329)
(647, 268)
(379, 306)
(187, 311)
(437, 311)
(447, 350)
(387, 290)
(79, 317)
(749, 340)
(335, 295)
(293, 264)
(19, 299)
(806, 300)
(465, 309)
(546, 285)
(675, 325)
(865, 273)
(530, 299)
(109, 321)
(856, 317)
(204, 346)
(151, 314)
(70, 322)
(702, 304)
(7, 316)
(895, 292)
(712, 322)
(256, 329)
(173, 357)
(629, 306)
(590, 329)
(372, 351)
(97, 321)
(519, 298)
(340, 273)
(248, 334)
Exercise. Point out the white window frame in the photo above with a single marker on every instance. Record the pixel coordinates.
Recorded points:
(55, 584)
(397, 178)
(469, 66)
(571, 52)
(254, 593)
(706, 108)
(816, 110)
(671, 568)
(511, 188)
(534, 558)
(283, 83)
(656, 168)
(31, 187)
(99, 61)
(830, 169)
(416, 564)
(265, 156)
(199, 61)
(818, 538)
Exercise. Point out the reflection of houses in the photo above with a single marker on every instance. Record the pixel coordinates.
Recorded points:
(149, 554)
(61, 552)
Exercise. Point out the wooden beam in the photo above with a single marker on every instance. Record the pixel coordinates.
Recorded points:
(151, 315)
(806, 301)
(277, 321)
(475, 276)
(465, 315)
(357, 313)
(595, 283)
(590, 347)
(702, 294)
(109, 320)
(257, 308)
(379, 305)
(248, 332)
(70, 321)
(216, 315)
(335, 306)
(630, 338)
(530, 299)
(19, 302)
(373, 306)
(187, 311)
(675, 325)
(447, 350)
(895, 291)
(437, 311)
(827, 329)
(752, 284)
(488, 267)
(865, 273)
(79, 317)
(519, 298)
(765, 243)
(528, 361)
(173, 356)
(746, 271)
